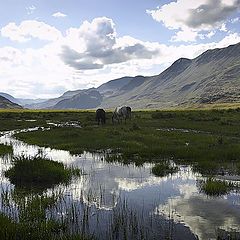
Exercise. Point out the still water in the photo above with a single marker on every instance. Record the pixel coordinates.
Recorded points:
(147, 207)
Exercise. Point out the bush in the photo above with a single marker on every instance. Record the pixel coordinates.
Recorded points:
(39, 172)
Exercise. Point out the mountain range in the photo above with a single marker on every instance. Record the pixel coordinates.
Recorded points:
(212, 77)
(7, 104)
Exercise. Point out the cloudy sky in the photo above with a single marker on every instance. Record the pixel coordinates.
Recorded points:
(49, 47)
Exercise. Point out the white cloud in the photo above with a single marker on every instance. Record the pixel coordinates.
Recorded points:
(235, 20)
(30, 29)
(59, 15)
(210, 34)
(31, 9)
(186, 35)
(223, 27)
(100, 46)
(48, 71)
(193, 17)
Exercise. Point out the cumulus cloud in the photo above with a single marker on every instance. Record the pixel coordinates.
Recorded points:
(59, 15)
(195, 16)
(86, 57)
(30, 29)
(186, 35)
(101, 47)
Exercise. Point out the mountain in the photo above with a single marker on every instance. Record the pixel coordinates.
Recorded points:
(9, 97)
(6, 104)
(25, 101)
(90, 98)
(113, 86)
(212, 77)
(21, 101)
(50, 103)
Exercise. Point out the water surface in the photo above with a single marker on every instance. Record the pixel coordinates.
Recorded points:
(153, 207)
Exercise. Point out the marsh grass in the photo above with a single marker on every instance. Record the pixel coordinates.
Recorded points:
(217, 141)
(33, 223)
(143, 145)
(199, 137)
(163, 169)
(213, 187)
(4, 149)
(39, 172)
(48, 230)
(238, 168)
(50, 216)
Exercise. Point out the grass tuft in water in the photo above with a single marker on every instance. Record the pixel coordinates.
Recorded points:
(213, 187)
(31, 227)
(4, 149)
(238, 168)
(38, 171)
(163, 169)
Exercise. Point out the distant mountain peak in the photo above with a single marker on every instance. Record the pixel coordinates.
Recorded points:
(217, 54)
(176, 68)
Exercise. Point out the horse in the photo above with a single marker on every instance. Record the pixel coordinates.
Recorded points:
(129, 110)
(121, 113)
(100, 116)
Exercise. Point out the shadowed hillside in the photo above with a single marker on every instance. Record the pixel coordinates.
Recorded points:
(212, 77)
(6, 104)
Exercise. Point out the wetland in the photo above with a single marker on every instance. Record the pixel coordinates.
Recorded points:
(162, 175)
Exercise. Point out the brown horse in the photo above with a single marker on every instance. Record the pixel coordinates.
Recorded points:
(100, 116)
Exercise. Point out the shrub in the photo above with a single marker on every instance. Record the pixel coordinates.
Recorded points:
(38, 171)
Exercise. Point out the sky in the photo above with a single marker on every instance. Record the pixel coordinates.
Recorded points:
(49, 47)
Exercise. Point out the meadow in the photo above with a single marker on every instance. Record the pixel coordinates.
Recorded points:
(207, 140)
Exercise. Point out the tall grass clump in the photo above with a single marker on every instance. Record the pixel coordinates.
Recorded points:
(38, 171)
(213, 187)
(163, 169)
(4, 149)
(43, 229)
(238, 168)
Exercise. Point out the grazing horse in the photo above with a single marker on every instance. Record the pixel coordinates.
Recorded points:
(100, 116)
(129, 111)
(121, 113)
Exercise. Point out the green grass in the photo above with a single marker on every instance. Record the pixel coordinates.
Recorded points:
(163, 169)
(214, 141)
(238, 168)
(33, 224)
(16, 119)
(39, 172)
(4, 149)
(139, 146)
(213, 187)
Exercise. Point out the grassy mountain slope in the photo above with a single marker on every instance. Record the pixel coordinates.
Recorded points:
(212, 77)
(84, 100)
(6, 104)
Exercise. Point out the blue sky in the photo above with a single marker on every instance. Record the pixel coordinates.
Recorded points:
(48, 47)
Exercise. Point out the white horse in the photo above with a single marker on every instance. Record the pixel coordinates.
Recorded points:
(121, 113)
